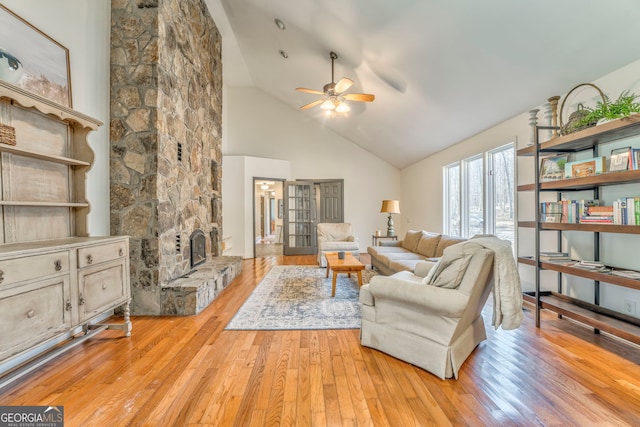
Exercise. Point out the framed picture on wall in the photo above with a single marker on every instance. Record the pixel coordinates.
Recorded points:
(32, 60)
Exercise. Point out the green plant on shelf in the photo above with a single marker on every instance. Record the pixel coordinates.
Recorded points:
(606, 110)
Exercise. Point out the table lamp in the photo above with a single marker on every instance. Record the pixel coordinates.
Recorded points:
(390, 207)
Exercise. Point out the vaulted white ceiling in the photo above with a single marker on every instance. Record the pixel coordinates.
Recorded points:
(441, 70)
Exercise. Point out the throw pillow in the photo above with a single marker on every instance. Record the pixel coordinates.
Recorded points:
(450, 270)
(410, 241)
(451, 274)
(445, 242)
(428, 244)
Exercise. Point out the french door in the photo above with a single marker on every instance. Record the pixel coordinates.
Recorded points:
(300, 218)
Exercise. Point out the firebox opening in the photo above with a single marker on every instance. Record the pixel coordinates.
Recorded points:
(198, 248)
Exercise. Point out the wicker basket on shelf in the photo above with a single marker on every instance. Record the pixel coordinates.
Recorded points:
(573, 124)
(7, 135)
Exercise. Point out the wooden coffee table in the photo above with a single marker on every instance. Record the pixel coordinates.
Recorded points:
(347, 265)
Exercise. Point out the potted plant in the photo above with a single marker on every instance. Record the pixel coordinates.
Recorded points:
(608, 110)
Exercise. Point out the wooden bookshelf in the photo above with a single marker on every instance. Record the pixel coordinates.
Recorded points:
(616, 323)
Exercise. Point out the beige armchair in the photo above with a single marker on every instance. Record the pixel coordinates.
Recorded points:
(430, 318)
(335, 237)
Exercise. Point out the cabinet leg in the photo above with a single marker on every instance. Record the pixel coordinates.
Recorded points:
(128, 326)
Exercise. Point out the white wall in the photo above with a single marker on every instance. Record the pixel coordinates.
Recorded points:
(260, 126)
(84, 28)
(237, 197)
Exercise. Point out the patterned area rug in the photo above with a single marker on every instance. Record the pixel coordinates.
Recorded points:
(299, 297)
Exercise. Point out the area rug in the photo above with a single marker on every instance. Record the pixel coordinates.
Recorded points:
(299, 297)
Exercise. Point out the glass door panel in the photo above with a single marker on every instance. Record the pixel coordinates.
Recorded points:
(300, 229)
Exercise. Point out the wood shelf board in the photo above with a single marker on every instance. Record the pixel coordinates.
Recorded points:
(528, 261)
(598, 228)
(527, 224)
(593, 275)
(589, 182)
(599, 321)
(526, 151)
(43, 204)
(27, 153)
(29, 99)
(588, 138)
(527, 187)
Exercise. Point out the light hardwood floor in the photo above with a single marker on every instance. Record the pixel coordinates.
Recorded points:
(181, 371)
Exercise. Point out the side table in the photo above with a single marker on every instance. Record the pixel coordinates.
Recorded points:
(374, 239)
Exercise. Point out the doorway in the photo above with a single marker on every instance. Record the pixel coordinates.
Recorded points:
(268, 217)
(286, 214)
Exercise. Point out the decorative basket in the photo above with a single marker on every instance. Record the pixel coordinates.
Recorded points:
(7, 135)
(567, 128)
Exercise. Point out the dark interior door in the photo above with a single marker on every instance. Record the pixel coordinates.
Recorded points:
(331, 206)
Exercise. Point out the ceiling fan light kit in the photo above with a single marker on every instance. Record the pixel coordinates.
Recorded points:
(333, 99)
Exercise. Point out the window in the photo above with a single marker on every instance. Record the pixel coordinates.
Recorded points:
(452, 200)
(484, 203)
(501, 192)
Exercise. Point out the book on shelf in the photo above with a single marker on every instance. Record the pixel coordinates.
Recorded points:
(635, 158)
(592, 266)
(626, 211)
(629, 274)
(576, 211)
(554, 256)
(587, 167)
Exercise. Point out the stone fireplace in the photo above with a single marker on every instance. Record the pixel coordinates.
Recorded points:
(166, 113)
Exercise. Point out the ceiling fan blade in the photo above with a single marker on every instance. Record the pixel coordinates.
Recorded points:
(364, 97)
(312, 104)
(304, 89)
(343, 85)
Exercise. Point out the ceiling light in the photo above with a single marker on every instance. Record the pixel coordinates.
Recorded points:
(279, 24)
(328, 105)
(284, 54)
(264, 186)
(342, 108)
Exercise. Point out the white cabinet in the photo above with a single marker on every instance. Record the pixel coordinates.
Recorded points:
(47, 289)
(54, 278)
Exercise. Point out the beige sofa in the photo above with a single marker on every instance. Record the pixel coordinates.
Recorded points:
(403, 255)
(430, 318)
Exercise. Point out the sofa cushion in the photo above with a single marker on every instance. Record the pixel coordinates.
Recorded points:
(404, 256)
(450, 270)
(340, 246)
(411, 239)
(403, 264)
(445, 242)
(428, 244)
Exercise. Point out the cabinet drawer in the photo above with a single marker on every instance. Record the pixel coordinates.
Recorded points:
(102, 287)
(19, 269)
(33, 313)
(93, 255)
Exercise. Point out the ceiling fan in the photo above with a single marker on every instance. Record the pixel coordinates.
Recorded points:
(334, 98)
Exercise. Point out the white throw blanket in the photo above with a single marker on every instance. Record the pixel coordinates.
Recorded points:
(507, 291)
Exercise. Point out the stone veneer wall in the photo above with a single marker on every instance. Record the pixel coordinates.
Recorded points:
(166, 102)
